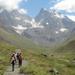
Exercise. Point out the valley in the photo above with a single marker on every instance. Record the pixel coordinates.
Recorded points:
(47, 42)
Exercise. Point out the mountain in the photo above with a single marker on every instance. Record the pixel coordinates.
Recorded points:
(54, 28)
(9, 32)
(47, 29)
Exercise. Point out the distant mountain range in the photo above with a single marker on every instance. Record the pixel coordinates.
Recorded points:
(49, 28)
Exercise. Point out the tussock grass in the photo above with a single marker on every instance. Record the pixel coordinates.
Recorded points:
(40, 65)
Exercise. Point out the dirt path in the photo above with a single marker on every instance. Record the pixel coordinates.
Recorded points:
(16, 72)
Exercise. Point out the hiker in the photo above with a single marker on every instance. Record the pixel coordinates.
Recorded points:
(19, 58)
(15, 58)
(13, 61)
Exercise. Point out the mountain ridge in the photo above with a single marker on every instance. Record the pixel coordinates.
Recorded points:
(46, 29)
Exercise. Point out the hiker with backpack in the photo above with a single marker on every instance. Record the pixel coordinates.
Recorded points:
(16, 57)
(19, 58)
(13, 60)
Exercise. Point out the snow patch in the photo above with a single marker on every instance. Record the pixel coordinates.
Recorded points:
(17, 18)
(22, 11)
(56, 13)
(59, 15)
(35, 24)
(71, 17)
(47, 23)
(38, 27)
(19, 29)
(57, 32)
(63, 29)
(26, 21)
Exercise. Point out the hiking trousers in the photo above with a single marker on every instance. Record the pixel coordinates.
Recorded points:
(13, 65)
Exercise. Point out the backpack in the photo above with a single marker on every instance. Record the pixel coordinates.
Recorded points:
(13, 60)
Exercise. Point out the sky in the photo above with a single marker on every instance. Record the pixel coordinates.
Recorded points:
(32, 7)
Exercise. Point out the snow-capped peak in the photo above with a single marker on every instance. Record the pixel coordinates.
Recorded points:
(22, 11)
(55, 13)
(59, 15)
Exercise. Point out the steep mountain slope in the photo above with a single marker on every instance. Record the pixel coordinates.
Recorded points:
(67, 47)
(55, 28)
(16, 40)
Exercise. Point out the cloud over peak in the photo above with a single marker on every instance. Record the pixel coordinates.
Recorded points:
(66, 5)
(10, 4)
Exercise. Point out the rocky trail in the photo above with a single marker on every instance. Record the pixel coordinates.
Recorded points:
(16, 72)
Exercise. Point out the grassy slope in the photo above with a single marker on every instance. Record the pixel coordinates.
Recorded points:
(41, 65)
(8, 43)
(63, 60)
(17, 40)
(5, 51)
(37, 63)
(69, 47)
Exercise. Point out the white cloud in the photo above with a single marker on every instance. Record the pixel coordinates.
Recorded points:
(67, 5)
(71, 17)
(10, 4)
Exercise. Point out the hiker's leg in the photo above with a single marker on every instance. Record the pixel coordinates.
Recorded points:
(19, 63)
(12, 67)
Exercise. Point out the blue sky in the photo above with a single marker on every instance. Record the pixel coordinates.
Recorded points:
(33, 6)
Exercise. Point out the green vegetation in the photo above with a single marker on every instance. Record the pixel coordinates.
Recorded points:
(40, 63)
(5, 51)
(15, 39)
(60, 64)
(68, 48)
